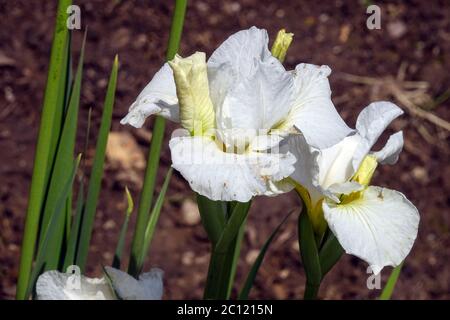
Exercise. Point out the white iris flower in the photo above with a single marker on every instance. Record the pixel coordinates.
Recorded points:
(235, 110)
(378, 225)
(55, 285)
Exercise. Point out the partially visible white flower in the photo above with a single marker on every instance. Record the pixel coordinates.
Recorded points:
(231, 107)
(55, 285)
(376, 224)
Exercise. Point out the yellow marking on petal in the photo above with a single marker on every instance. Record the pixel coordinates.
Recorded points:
(315, 211)
(281, 44)
(362, 176)
(366, 170)
(191, 80)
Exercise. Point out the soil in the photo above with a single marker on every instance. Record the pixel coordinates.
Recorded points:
(413, 34)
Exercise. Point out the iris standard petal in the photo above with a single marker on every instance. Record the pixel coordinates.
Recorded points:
(312, 111)
(371, 123)
(257, 103)
(391, 151)
(241, 50)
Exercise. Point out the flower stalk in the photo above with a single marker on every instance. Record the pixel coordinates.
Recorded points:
(145, 202)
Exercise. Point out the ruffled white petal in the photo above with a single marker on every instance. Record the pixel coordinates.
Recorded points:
(54, 285)
(257, 103)
(226, 176)
(380, 227)
(391, 151)
(241, 50)
(313, 112)
(149, 286)
(371, 123)
(158, 97)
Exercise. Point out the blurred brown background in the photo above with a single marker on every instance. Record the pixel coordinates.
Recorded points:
(412, 45)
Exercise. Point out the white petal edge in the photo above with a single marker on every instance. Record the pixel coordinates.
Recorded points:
(227, 176)
(55, 285)
(371, 123)
(240, 51)
(379, 228)
(149, 286)
(313, 112)
(391, 151)
(159, 97)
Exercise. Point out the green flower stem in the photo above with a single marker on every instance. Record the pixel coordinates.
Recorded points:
(145, 201)
(311, 291)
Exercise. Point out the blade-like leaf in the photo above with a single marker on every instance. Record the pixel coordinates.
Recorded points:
(61, 102)
(390, 285)
(153, 219)
(74, 234)
(224, 255)
(44, 148)
(213, 215)
(62, 168)
(146, 198)
(123, 231)
(234, 223)
(237, 244)
(245, 291)
(43, 252)
(330, 253)
(97, 170)
(309, 254)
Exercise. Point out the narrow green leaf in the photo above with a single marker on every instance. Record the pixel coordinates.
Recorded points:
(220, 273)
(95, 179)
(213, 214)
(390, 284)
(74, 234)
(153, 220)
(225, 253)
(123, 231)
(248, 284)
(146, 198)
(236, 249)
(44, 250)
(330, 253)
(61, 102)
(62, 168)
(234, 223)
(43, 149)
(309, 254)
